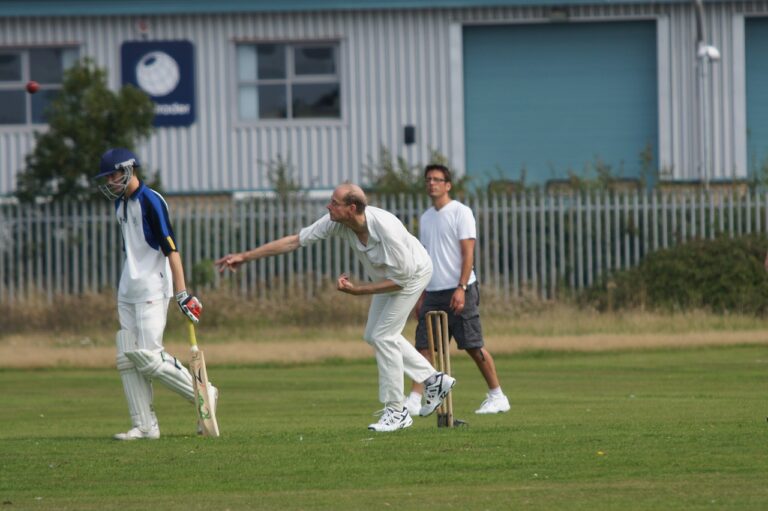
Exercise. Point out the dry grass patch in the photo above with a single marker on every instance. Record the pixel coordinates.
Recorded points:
(80, 331)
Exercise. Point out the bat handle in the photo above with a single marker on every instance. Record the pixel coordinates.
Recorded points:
(192, 337)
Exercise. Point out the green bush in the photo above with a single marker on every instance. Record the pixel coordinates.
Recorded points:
(85, 119)
(392, 175)
(721, 275)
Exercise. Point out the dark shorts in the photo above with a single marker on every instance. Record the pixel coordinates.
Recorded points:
(465, 328)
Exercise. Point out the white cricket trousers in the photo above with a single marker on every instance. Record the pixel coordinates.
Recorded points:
(146, 320)
(394, 354)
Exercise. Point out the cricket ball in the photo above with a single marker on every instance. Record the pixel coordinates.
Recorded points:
(32, 86)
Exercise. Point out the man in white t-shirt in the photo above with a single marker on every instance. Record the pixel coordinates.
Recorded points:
(448, 232)
(399, 269)
(152, 274)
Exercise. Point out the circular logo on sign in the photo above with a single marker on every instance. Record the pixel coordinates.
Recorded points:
(157, 73)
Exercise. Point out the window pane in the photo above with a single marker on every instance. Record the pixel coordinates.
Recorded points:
(272, 102)
(69, 57)
(248, 102)
(10, 67)
(316, 100)
(12, 104)
(315, 60)
(271, 61)
(246, 63)
(40, 102)
(45, 65)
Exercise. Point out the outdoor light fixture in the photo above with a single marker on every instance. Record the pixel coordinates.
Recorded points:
(707, 51)
(409, 134)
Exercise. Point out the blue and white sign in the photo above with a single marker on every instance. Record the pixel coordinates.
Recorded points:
(165, 70)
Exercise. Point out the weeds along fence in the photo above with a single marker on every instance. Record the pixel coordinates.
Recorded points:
(538, 244)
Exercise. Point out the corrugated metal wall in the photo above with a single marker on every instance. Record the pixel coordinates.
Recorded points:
(396, 70)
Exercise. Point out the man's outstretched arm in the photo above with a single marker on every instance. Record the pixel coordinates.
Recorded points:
(276, 247)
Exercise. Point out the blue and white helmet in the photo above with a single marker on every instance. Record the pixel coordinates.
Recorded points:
(114, 160)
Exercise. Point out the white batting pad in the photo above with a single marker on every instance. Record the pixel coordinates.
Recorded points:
(138, 390)
(166, 369)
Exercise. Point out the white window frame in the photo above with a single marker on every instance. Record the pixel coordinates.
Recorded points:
(291, 79)
(21, 84)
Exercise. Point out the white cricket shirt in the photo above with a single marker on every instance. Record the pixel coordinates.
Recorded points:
(391, 253)
(148, 238)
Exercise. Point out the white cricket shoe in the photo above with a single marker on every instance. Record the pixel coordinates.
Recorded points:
(435, 392)
(137, 434)
(392, 420)
(494, 404)
(213, 393)
(413, 406)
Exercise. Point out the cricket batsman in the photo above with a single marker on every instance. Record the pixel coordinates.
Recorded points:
(152, 275)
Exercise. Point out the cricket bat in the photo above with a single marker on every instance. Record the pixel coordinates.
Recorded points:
(206, 414)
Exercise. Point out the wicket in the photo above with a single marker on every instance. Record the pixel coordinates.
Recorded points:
(437, 336)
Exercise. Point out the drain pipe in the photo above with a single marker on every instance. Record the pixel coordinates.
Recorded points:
(705, 54)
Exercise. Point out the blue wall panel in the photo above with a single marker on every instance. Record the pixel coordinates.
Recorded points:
(756, 42)
(556, 98)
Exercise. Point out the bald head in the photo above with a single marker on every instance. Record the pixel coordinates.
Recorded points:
(352, 194)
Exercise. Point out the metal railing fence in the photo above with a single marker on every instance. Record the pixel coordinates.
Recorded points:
(540, 244)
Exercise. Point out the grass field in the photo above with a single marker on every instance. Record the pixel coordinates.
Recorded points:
(636, 429)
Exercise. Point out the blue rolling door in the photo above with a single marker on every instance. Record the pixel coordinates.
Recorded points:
(556, 98)
(756, 35)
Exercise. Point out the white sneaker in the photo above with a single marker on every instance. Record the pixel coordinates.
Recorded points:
(213, 393)
(435, 392)
(137, 434)
(392, 420)
(494, 404)
(413, 406)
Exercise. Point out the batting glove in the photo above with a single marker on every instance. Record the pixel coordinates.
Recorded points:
(189, 305)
